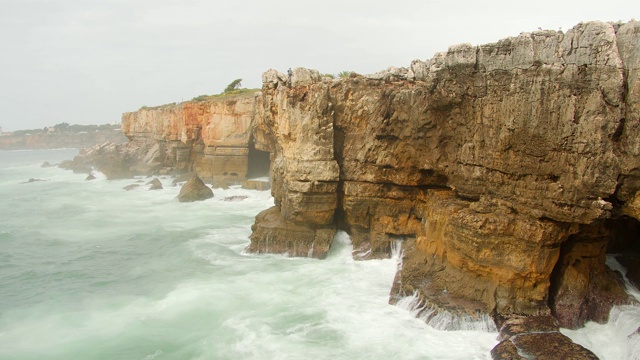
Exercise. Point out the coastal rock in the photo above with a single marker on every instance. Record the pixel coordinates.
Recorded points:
(194, 190)
(90, 177)
(536, 337)
(486, 163)
(504, 171)
(235, 198)
(154, 184)
(131, 187)
(46, 164)
(256, 185)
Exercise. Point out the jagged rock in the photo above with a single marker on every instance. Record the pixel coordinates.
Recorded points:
(547, 346)
(536, 337)
(272, 78)
(46, 164)
(583, 287)
(33, 180)
(155, 184)
(304, 77)
(489, 160)
(274, 234)
(194, 190)
(390, 74)
(491, 164)
(90, 177)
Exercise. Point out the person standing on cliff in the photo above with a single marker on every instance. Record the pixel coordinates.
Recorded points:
(289, 75)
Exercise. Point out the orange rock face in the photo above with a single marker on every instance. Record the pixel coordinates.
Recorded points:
(495, 167)
(210, 137)
(486, 162)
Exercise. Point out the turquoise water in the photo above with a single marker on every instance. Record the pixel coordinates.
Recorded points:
(91, 271)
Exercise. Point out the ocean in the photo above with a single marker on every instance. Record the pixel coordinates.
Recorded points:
(91, 271)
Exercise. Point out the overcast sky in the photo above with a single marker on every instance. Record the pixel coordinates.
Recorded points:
(88, 61)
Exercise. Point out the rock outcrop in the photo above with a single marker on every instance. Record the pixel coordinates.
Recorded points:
(210, 137)
(194, 190)
(496, 165)
(507, 171)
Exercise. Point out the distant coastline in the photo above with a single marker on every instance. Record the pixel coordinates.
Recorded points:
(62, 136)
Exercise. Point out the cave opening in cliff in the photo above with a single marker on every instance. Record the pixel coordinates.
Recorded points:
(585, 281)
(259, 163)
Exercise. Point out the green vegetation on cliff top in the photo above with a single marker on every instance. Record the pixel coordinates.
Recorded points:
(68, 129)
(232, 90)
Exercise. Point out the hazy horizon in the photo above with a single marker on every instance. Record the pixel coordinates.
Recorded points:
(88, 62)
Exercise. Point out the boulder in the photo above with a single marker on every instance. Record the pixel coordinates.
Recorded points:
(194, 190)
(536, 337)
(90, 177)
(155, 184)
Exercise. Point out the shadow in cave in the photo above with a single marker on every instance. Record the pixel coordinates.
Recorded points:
(259, 163)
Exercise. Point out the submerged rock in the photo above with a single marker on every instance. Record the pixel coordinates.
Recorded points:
(155, 184)
(131, 187)
(235, 198)
(536, 337)
(90, 177)
(33, 180)
(46, 164)
(194, 190)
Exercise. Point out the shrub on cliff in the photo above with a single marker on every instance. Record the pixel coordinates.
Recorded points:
(234, 85)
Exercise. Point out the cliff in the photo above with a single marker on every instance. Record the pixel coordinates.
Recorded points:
(58, 140)
(211, 137)
(507, 171)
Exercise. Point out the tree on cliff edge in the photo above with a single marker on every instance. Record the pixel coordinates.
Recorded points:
(234, 85)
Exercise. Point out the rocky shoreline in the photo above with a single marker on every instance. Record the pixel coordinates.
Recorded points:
(508, 172)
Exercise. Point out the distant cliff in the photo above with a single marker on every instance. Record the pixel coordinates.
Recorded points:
(25, 140)
(507, 171)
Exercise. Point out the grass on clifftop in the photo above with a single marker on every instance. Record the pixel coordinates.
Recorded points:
(226, 94)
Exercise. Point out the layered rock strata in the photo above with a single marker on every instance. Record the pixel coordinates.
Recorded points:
(211, 138)
(507, 171)
(496, 165)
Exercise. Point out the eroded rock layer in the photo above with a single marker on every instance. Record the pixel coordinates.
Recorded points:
(496, 164)
(507, 171)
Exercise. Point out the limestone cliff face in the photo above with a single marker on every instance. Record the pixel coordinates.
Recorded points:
(507, 171)
(505, 168)
(210, 137)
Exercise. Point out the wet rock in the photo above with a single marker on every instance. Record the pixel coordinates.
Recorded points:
(182, 178)
(131, 187)
(256, 185)
(583, 288)
(235, 198)
(219, 183)
(33, 180)
(46, 164)
(547, 346)
(194, 190)
(90, 177)
(274, 234)
(155, 184)
(536, 337)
